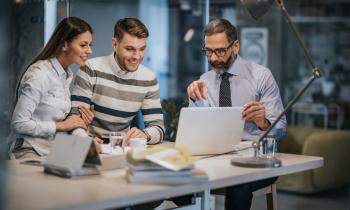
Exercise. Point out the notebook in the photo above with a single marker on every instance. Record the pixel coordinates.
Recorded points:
(209, 130)
(68, 157)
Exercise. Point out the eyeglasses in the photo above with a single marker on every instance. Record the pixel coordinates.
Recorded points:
(220, 52)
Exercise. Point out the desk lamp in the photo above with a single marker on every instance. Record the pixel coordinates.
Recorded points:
(258, 8)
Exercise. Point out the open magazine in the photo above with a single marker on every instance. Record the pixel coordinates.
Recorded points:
(163, 165)
(175, 159)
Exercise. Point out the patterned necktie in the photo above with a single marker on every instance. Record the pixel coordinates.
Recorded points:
(225, 90)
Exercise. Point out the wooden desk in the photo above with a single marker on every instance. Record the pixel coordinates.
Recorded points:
(30, 188)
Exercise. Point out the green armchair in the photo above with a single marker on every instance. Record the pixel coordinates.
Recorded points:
(332, 145)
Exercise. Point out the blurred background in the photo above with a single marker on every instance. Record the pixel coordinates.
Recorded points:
(173, 51)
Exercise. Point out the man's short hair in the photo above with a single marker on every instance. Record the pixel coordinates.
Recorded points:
(132, 26)
(221, 25)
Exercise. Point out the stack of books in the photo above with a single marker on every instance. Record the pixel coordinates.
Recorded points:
(161, 165)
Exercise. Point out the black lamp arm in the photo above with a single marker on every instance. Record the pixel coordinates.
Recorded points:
(315, 71)
(286, 109)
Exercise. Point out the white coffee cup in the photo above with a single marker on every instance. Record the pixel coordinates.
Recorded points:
(138, 143)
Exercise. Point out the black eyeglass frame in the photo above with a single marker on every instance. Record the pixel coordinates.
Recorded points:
(209, 52)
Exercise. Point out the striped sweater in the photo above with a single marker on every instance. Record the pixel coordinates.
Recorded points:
(118, 96)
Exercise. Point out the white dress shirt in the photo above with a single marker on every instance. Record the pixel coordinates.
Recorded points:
(43, 100)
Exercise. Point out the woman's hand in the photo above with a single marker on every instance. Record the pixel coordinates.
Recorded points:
(71, 123)
(87, 114)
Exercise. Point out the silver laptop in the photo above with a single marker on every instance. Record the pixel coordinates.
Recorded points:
(68, 157)
(209, 130)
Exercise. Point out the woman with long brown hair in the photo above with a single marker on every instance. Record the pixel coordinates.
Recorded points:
(43, 94)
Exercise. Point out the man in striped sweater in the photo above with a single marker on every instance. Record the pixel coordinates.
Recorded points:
(119, 86)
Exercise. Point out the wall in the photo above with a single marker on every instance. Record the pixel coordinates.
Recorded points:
(155, 15)
(5, 51)
(102, 15)
(21, 35)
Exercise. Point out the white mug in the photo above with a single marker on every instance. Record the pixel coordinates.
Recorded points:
(138, 143)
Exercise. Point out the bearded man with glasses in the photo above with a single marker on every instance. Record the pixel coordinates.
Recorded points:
(220, 53)
(234, 81)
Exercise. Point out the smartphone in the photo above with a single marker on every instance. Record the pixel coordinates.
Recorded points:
(32, 162)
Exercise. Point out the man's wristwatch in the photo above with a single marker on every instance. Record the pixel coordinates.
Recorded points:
(266, 122)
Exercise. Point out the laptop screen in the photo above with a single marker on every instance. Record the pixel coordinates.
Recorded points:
(209, 130)
(68, 151)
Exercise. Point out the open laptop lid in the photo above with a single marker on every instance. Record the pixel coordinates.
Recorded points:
(70, 152)
(209, 130)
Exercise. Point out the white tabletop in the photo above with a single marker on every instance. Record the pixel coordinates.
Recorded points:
(30, 188)
(222, 173)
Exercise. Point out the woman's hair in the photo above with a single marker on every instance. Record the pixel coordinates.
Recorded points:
(68, 29)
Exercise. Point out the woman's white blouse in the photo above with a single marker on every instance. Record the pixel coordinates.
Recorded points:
(43, 99)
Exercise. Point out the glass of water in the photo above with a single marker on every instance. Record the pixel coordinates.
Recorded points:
(116, 139)
(268, 147)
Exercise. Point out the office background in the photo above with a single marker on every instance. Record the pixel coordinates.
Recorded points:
(176, 37)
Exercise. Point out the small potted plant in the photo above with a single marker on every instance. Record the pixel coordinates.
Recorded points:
(171, 116)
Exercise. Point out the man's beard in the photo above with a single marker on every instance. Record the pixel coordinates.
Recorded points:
(123, 65)
(221, 67)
